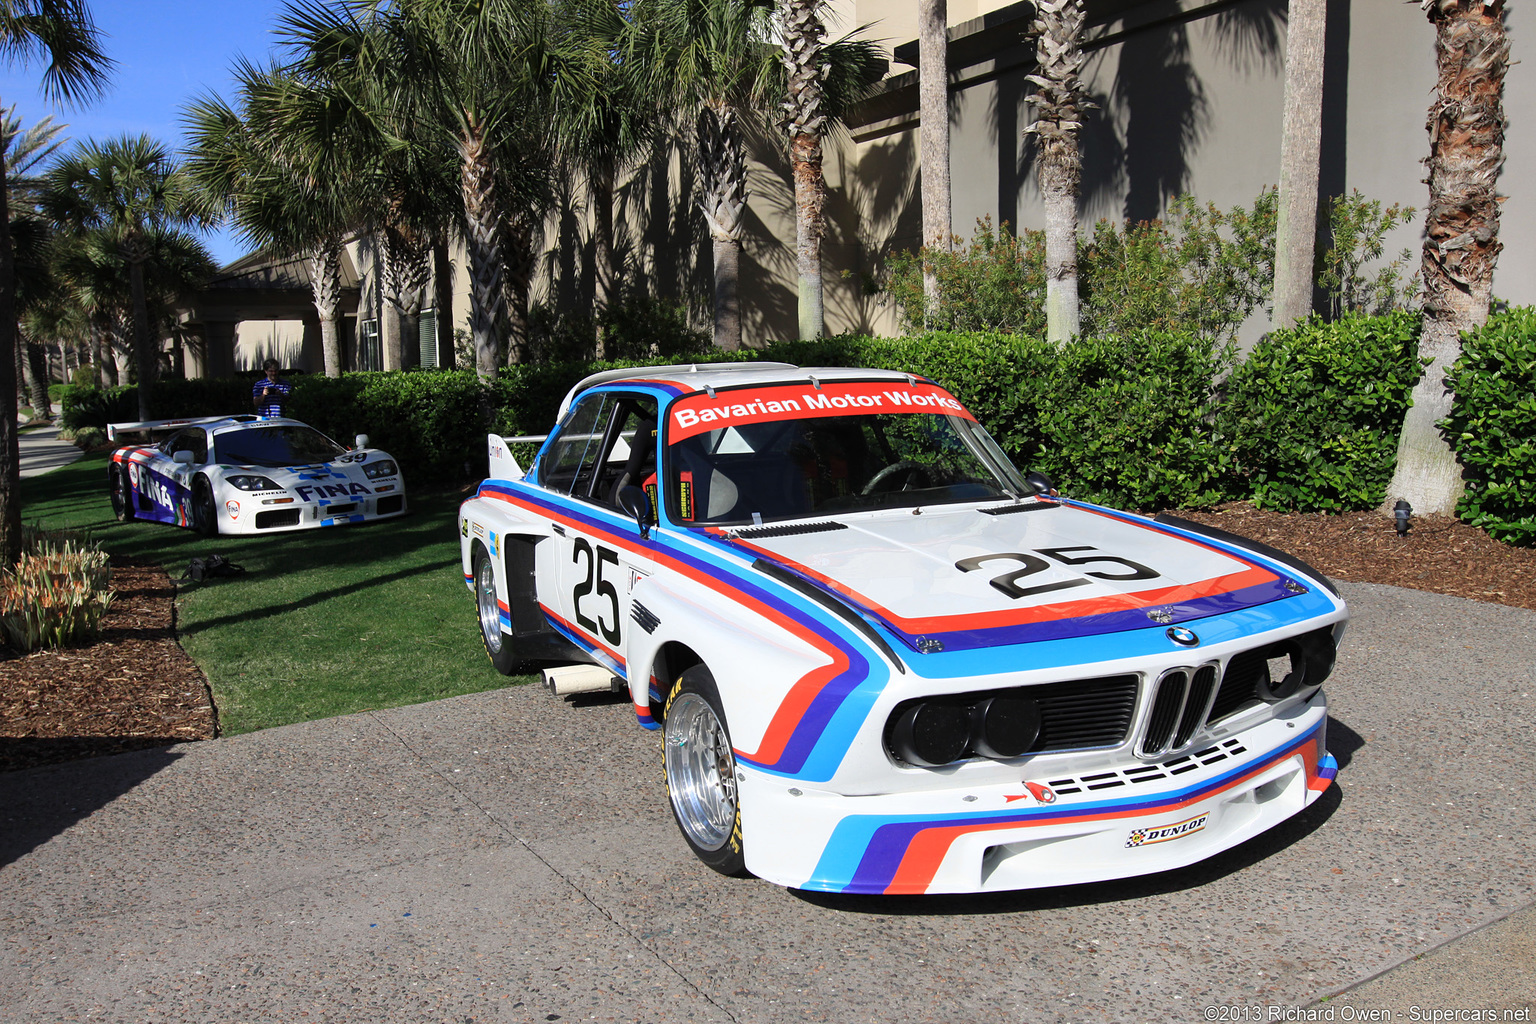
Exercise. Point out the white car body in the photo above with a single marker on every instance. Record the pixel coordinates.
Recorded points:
(203, 475)
(1153, 656)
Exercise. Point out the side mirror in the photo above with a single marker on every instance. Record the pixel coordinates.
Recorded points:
(183, 457)
(1040, 483)
(361, 440)
(634, 500)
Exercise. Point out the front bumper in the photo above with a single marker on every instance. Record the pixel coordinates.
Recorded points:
(1001, 837)
(253, 516)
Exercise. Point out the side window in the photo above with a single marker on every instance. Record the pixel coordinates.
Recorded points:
(630, 457)
(577, 445)
(194, 440)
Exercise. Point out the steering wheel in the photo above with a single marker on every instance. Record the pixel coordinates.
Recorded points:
(914, 469)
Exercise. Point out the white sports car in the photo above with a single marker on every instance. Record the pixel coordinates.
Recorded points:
(885, 661)
(250, 474)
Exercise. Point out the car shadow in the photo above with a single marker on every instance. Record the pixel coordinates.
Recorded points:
(41, 803)
(1193, 876)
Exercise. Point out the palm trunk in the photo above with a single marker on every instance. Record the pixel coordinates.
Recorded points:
(933, 99)
(37, 378)
(810, 202)
(442, 288)
(802, 34)
(144, 356)
(1461, 233)
(723, 195)
(1059, 102)
(602, 253)
(10, 455)
(1300, 157)
(325, 286)
(1058, 189)
(483, 241)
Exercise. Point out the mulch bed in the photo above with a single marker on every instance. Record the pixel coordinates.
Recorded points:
(133, 688)
(136, 688)
(1439, 554)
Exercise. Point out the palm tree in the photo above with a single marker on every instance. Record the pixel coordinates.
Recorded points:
(63, 33)
(604, 129)
(933, 101)
(23, 150)
(814, 98)
(460, 68)
(714, 60)
(285, 194)
(129, 192)
(345, 123)
(1461, 231)
(1300, 156)
(1059, 102)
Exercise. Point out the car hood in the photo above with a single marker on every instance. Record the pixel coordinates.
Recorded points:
(960, 578)
(322, 482)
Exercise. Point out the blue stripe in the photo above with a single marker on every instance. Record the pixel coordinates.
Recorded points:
(865, 850)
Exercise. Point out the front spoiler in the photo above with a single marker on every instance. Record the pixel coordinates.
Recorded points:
(996, 838)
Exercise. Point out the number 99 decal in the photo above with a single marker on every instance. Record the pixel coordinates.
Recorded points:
(604, 587)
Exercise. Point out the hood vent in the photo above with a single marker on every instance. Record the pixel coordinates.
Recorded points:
(789, 529)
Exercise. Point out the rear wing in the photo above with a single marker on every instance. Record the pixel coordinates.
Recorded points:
(157, 426)
(503, 465)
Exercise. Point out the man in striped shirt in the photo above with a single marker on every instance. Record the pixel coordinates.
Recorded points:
(270, 393)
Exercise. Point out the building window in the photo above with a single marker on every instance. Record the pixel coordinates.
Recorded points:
(427, 335)
(370, 353)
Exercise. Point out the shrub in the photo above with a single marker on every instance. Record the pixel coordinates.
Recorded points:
(57, 593)
(1311, 417)
(1493, 424)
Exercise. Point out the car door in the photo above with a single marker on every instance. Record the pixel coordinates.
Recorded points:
(607, 444)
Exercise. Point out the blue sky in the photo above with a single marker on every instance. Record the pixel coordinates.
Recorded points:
(168, 52)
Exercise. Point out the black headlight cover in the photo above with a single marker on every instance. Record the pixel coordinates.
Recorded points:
(252, 482)
(379, 470)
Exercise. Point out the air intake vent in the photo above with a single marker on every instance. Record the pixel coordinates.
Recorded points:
(1166, 707)
(1195, 707)
(1239, 685)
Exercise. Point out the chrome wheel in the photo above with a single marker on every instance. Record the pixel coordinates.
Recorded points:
(490, 612)
(701, 772)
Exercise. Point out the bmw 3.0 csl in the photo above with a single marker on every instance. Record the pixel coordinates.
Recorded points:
(885, 661)
(250, 474)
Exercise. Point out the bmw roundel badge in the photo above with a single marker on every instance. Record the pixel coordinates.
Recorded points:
(1183, 637)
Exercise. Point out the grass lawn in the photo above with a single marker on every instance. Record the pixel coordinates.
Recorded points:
(325, 622)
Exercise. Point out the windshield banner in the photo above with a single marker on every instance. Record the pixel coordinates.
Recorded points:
(696, 414)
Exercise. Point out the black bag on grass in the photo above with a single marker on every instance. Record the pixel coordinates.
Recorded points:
(212, 567)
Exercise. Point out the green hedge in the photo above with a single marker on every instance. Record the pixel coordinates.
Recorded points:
(1493, 424)
(1310, 419)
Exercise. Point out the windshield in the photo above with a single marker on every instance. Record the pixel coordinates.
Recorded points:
(781, 457)
(275, 446)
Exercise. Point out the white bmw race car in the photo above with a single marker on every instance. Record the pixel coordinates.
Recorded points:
(250, 474)
(884, 661)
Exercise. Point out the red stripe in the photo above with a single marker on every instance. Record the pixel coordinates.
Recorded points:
(928, 848)
(792, 709)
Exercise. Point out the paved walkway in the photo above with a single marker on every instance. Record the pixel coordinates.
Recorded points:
(508, 856)
(41, 450)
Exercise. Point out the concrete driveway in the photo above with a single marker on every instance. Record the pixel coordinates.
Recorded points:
(509, 857)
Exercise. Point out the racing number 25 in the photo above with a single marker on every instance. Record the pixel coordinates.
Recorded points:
(1008, 582)
(594, 580)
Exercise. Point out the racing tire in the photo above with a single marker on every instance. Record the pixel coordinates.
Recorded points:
(700, 770)
(122, 493)
(205, 518)
(497, 642)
